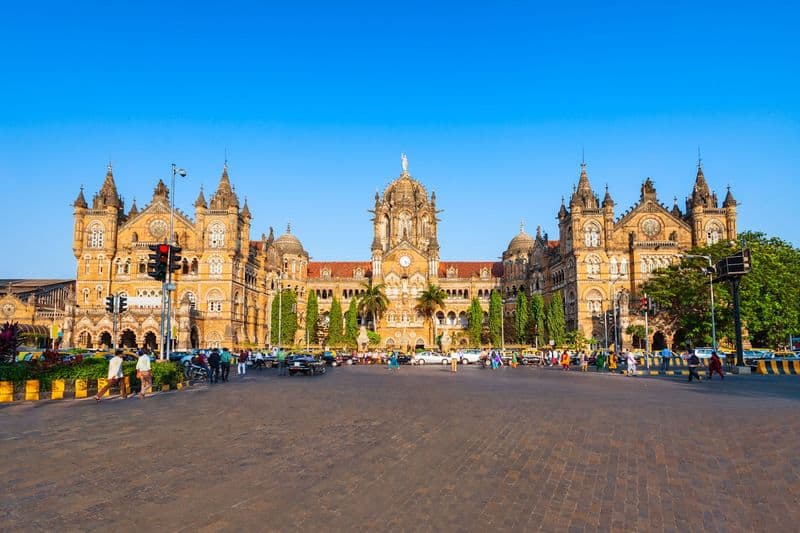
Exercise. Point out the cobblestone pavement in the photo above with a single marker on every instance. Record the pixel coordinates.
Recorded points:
(361, 449)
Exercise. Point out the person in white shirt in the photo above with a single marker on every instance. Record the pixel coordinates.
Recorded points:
(144, 374)
(631, 364)
(115, 376)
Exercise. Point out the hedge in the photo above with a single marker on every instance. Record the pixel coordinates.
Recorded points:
(164, 373)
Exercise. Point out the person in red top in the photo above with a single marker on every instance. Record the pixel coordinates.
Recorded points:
(565, 360)
(715, 365)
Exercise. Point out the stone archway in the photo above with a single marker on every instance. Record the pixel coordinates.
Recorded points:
(420, 345)
(194, 338)
(150, 341)
(679, 341)
(128, 339)
(105, 340)
(85, 339)
(659, 341)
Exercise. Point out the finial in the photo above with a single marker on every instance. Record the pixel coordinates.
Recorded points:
(522, 225)
(562, 199)
(225, 164)
(699, 159)
(606, 187)
(404, 162)
(288, 227)
(675, 200)
(583, 157)
(109, 167)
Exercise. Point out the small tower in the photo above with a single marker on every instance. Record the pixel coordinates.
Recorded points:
(730, 215)
(608, 217)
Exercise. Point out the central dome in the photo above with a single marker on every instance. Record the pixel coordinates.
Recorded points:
(405, 189)
(521, 243)
(288, 243)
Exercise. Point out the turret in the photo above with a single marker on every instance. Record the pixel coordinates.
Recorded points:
(224, 198)
(730, 215)
(583, 197)
(134, 210)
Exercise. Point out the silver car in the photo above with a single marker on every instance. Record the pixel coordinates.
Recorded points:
(428, 358)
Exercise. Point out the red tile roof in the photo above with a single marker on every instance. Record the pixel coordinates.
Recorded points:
(339, 269)
(468, 269)
(552, 244)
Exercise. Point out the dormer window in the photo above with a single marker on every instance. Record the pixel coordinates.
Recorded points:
(326, 273)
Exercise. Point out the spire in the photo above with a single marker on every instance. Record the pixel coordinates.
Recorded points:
(563, 211)
(701, 194)
(271, 237)
(245, 209)
(108, 195)
(607, 200)
(160, 191)
(134, 210)
(676, 211)
(729, 199)
(201, 199)
(224, 197)
(80, 201)
(583, 196)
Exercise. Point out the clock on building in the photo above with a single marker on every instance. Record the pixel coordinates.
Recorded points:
(405, 261)
(8, 309)
(651, 227)
(157, 228)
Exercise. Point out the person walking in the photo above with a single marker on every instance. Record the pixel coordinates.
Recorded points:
(394, 364)
(281, 362)
(241, 365)
(600, 361)
(612, 363)
(694, 363)
(213, 363)
(584, 361)
(453, 362)
(144, 374)
(115, 375)
(715, 365)
(665, 355)
(565, 360)
(225, 364)
(631, 363)
(514, 360)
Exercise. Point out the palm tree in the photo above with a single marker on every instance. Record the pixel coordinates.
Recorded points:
(430, 301)
(373, 302)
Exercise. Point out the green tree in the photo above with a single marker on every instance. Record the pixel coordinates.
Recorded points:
(312, 316)
(288, 318)
(495, 316)
(521, 318)
(475, 323)
(576, 340)
(428, 302)
(536, 319)
(374, 338)
(637, 330)
(554, 319)
(351, 323)
(373, 302)
(770, 293)
(335, 326)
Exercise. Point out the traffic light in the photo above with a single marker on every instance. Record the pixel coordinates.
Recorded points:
(122, 303)
(651, 306)
(175, 261)
(159, 260)
(110, 304)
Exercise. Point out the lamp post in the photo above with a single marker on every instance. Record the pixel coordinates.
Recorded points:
(168, 286)
(710, 272)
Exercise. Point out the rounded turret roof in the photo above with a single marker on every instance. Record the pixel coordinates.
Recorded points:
(521, 243)
(289, 244)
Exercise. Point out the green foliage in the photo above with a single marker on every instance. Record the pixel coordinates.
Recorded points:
(576, 340)
(554, 319)
(288, 318)
(638, 331)
(521, 318)
(475, 323)
(430, 301)
(770, 294)
(374, 338)
(495, 316)
(91, 368)
(373, 302)
(335, 325)
(351, 324)
(312, 316)
(536, 319)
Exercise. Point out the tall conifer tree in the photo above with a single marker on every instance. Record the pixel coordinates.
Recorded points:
(335, 324)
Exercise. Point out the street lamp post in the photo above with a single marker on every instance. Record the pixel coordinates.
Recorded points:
(168, 286)
(711, 287)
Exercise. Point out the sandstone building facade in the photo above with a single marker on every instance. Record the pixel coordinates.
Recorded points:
(227, 282)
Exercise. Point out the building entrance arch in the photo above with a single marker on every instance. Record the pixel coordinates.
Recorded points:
(105, 340)
(128, 339)
(85, 339)
(150, 341)
(194, 338)
(659, 341)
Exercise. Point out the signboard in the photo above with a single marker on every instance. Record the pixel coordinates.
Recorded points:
(144, 301)
(737, 264)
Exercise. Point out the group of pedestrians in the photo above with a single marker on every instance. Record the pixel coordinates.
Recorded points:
(116, 376)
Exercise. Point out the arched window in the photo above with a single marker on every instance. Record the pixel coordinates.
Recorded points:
(214, 299)
(592, 264)
(623, 266)
(215, 266)
(713, 233)
(591, 235)
(184, 266)
(142, 266)
(96, 236)
(594, 302)
(216, 235)
(86, 296)
(134, 237)
(194, 266)
(612, 266)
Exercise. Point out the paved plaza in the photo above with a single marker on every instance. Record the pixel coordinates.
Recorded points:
(361, 449)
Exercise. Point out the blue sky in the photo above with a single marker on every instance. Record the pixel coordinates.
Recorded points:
(314, 102)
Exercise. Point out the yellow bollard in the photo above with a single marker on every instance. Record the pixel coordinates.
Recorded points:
(6, 391)
(179, 385)
(127, 380)
(57, 390)
(101, 382)
(165, 387)
(81, 387)
(32, 389)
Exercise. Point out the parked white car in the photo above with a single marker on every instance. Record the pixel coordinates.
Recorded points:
(431, 358)
(468, 356)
